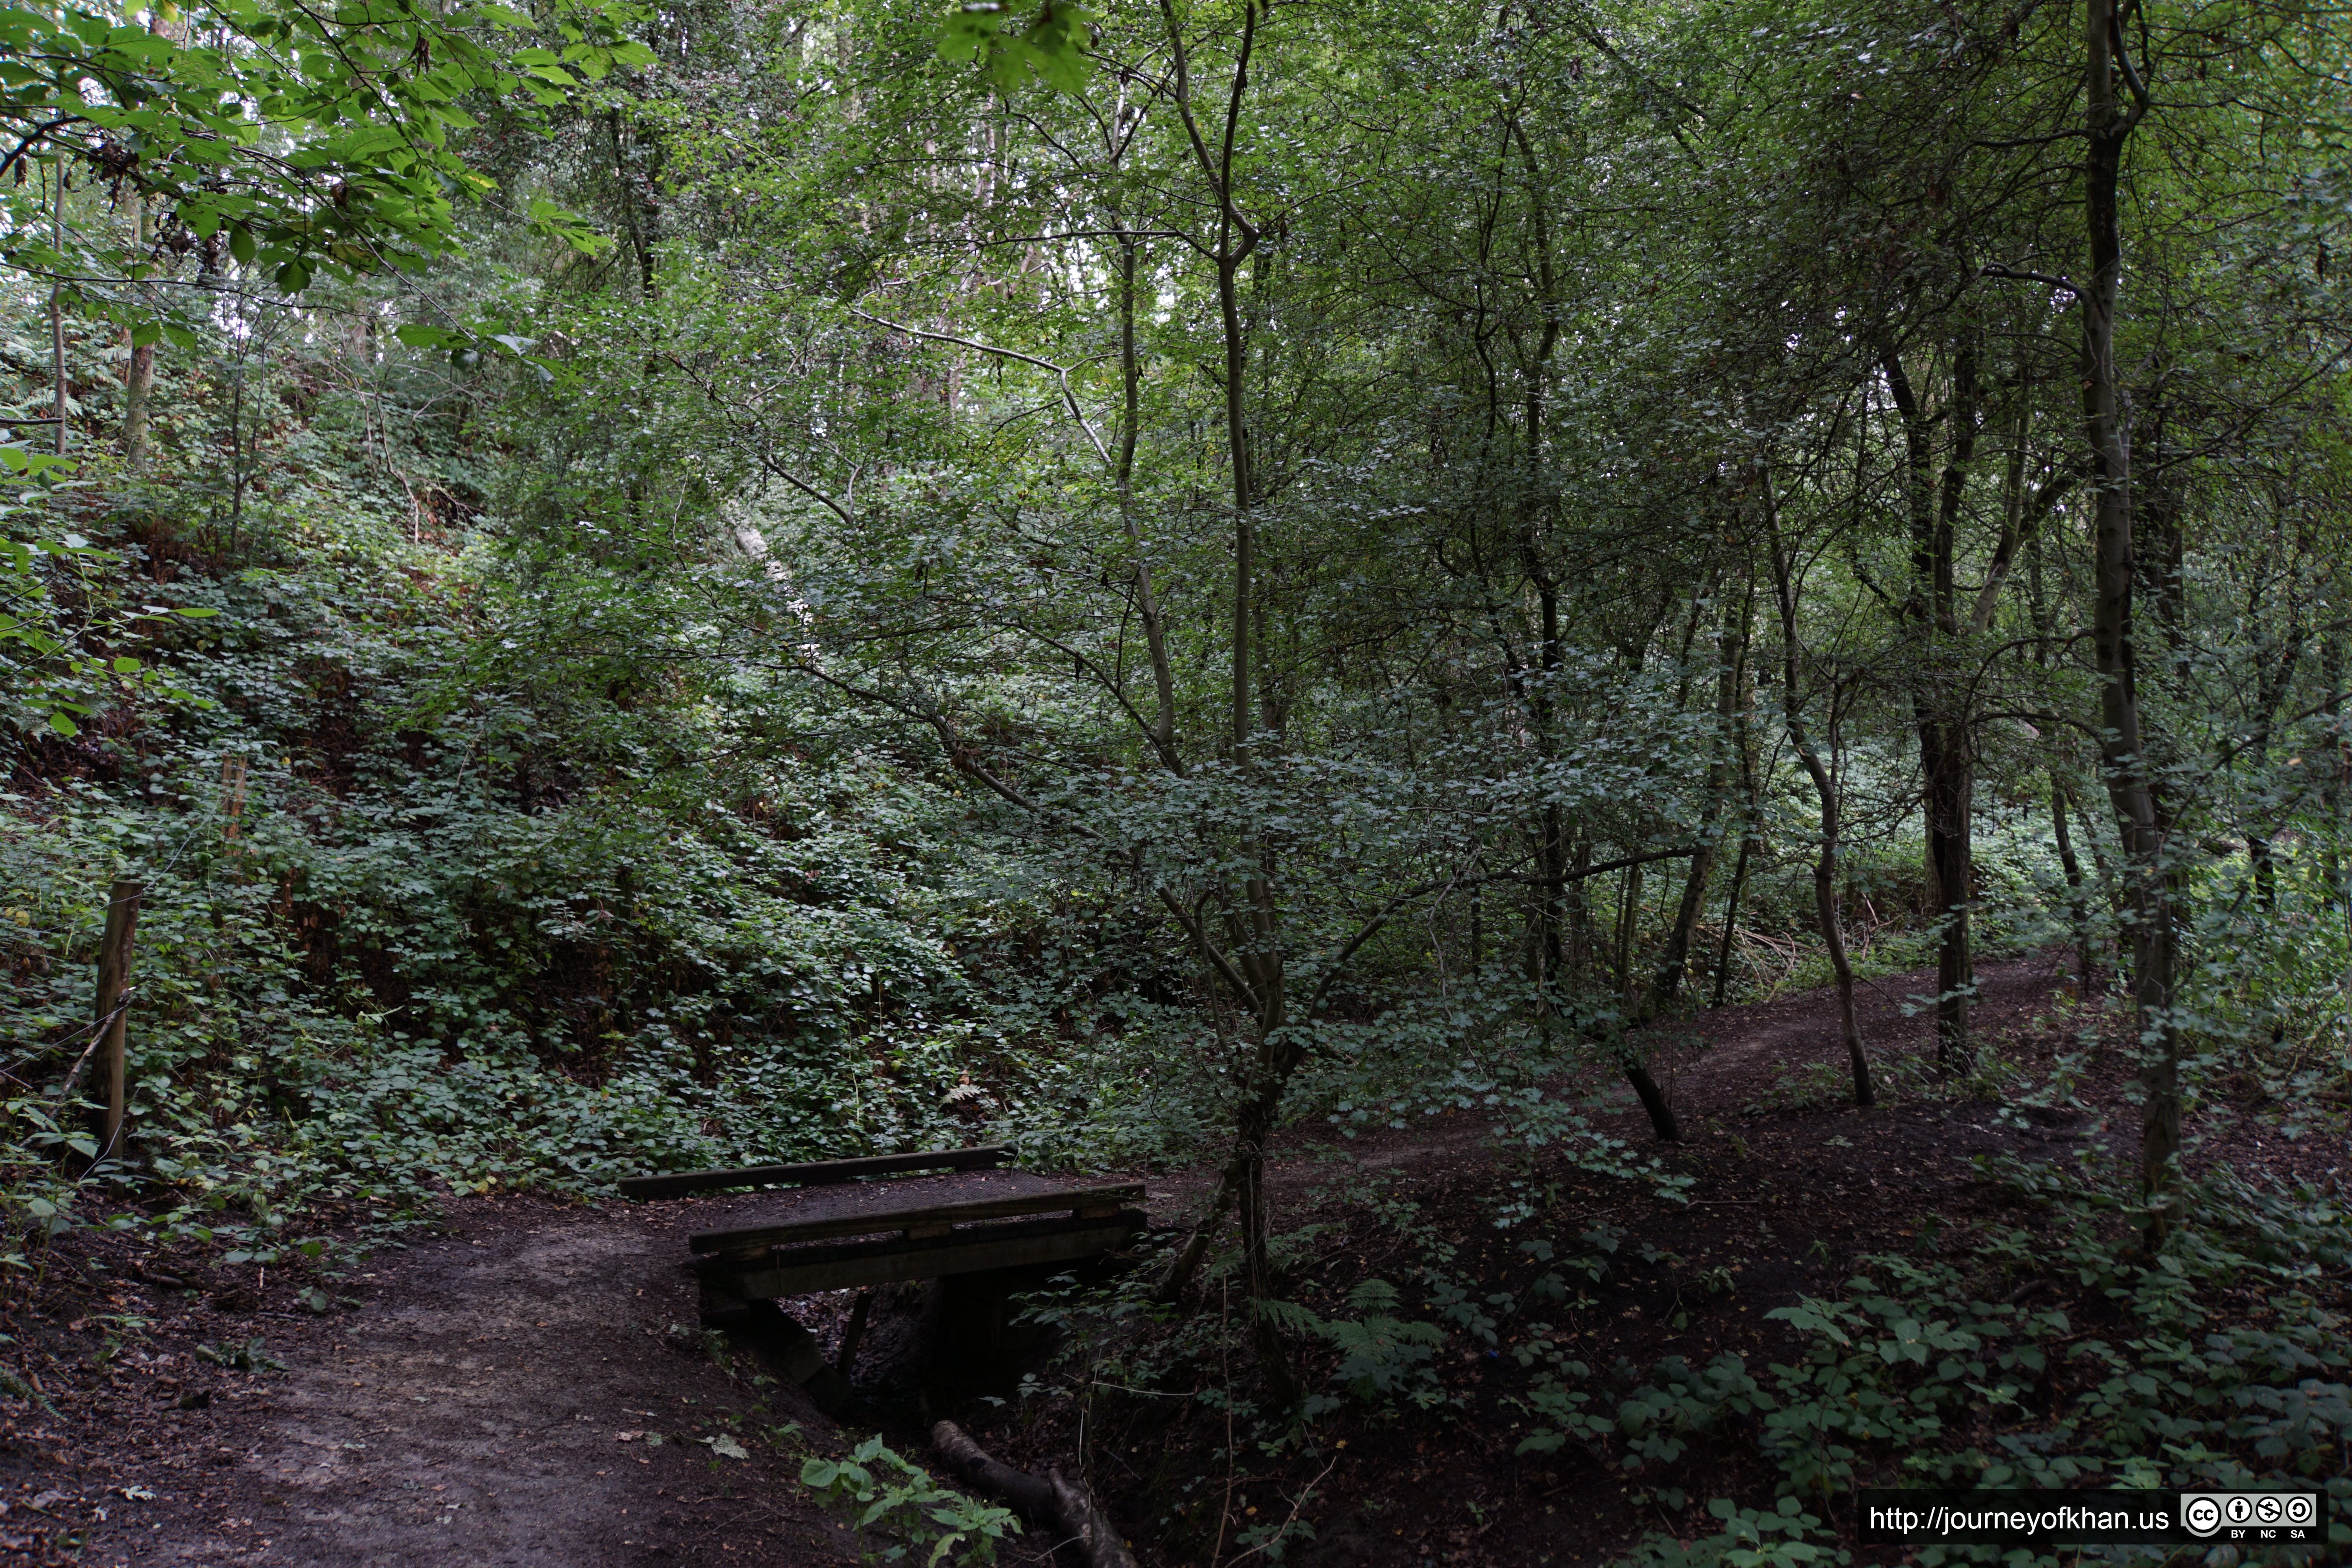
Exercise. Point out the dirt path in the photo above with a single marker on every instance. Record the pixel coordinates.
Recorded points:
(468, 1411)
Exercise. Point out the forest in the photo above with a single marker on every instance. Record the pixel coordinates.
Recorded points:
(1644, 703)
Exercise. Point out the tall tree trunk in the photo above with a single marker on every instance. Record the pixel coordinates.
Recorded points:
(2123, 742)
(1950, 779)
(636, 214)
(1261, 956)
(139, 383)
(1155, 636)
(138, 394)
(2274, 675)
(1555, 895)
(1731, 651)
(1242, 1181)
(1562, 945)
(2338, 772)
(2061, 793)
(165, 21)
(1579, 914)
(1629, 922)
(1751, 829)
(56, 303)
(1552, 831)
(2078, 903)
(1947, 738)
(1751, 809)
(1825, 792)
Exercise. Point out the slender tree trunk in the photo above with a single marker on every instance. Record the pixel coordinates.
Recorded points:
(1751, 812)
(1262, 957)
(2123, 744)
(1553, 896)
(1662, 1120)
(1628, 921)
(1825, 911)
(236, 456)
(2078, 903)
(633, 217)
(1242, 1181)
(2274, 674)
(165, 21)
(1731, 647)
(1949, 769)
(1555, 899)
(139, 383)
(1946, 741)
(2338, 773)
(138, 391)
(2062, 795)
(1532, 503)
(1155, 636)
(1731, 917)
(57, 304)
(1825, 791)
(1666, 983)
(1580, 915)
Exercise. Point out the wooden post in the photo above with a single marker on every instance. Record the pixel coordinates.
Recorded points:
(846, 1357)
(233, 789)
(113, 1008)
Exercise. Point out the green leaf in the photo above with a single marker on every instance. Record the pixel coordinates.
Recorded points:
(971, 28)
(1056, 41)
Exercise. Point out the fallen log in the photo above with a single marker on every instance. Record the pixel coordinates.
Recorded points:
(1066, 1505)
(1082, 1519)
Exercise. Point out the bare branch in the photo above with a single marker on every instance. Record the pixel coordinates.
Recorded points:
(2023, 275)
(1592, 870)
(1068, 397)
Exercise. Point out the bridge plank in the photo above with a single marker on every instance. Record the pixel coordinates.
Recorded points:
(840, 1266)
(1084, 1202)
(822, 1173)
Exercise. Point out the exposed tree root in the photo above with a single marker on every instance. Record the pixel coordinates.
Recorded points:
(1066, 1505)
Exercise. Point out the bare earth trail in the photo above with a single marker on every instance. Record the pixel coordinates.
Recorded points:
(470, 1411)
(1722, 1070)
(529, 1387)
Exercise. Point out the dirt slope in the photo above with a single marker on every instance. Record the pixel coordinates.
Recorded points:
(467, 1413)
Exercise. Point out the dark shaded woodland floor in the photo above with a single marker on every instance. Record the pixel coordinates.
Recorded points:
(526, 1387)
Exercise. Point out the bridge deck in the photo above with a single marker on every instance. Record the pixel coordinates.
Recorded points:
(850, 1227)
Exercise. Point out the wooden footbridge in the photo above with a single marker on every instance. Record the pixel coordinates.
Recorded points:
(951, 1213)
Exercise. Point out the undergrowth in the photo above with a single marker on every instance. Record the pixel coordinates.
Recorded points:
(2054, 1354)
(2222, 1363)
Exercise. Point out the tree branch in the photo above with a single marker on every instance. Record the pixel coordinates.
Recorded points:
(1068, 397)
(1566, 878)
(2023, 275)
